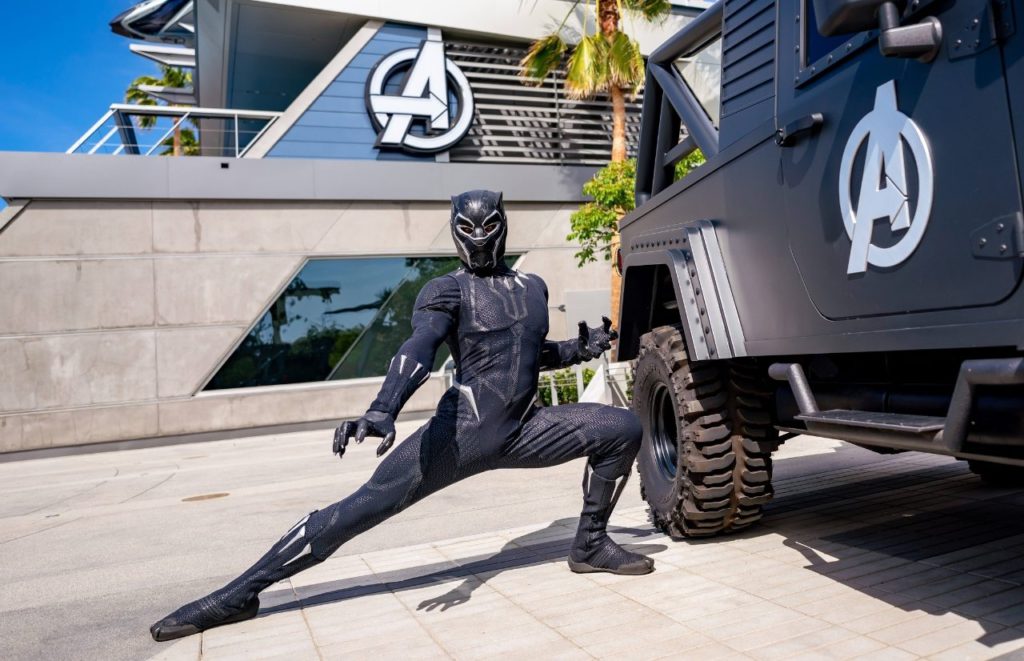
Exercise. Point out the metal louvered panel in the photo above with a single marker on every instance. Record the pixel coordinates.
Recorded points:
(521, 123)
(748, 54)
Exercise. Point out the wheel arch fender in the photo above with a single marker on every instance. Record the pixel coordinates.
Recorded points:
(654, 286)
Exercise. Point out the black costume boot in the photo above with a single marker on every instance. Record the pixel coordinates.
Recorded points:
(238, 600)
(593, 550)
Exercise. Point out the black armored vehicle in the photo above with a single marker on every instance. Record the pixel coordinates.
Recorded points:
(847, 262)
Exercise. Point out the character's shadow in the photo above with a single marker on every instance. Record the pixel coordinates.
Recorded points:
(549, 544)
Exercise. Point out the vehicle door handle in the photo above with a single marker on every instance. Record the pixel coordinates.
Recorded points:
(788, 135)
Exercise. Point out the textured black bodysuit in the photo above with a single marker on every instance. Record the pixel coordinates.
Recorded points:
(494, 320)
(495, 327)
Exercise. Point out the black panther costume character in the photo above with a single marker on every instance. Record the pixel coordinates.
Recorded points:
(494, 320)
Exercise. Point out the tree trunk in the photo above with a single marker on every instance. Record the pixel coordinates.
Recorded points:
(608, 17)
(618, 124)
(177, 141)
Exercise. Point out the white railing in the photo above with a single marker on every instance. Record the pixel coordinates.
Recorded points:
(568, 385)
(211, 131)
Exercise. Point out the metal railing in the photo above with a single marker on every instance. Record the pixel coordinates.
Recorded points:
(211, 131)
(568, 385)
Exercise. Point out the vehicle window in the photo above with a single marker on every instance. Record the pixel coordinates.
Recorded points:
(815, 45)
(702, 72)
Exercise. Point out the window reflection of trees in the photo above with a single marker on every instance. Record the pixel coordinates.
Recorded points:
(314, 331)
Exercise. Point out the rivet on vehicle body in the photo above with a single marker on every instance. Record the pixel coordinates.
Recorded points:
(982, 241)
(999, 227)
(1002, 248)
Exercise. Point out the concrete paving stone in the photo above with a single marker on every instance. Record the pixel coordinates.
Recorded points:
(186, 649)
(640, 649)
(724, 624)
(283, 647)
(554, 650)
(697, 609)
(425, 650)
(887, 654)
(1004, 644)
(326, 631)
(800, 644)
(983, 589)
(830, 590)
(846, 648)
(978, 564)
(1013, 597)
(918, 626)
(878, 562)
(710, 652)
(589, 621)
(843, 608)
(569, 612)
(947, 585)
(947, 637)
(473, 640)
(754, 636)
(1013, 616)
(883, 619)
(646, 642)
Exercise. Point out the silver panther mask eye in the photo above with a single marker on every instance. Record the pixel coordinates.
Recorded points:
(479, 228)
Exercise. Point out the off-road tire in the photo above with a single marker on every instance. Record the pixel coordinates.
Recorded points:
(723, 437)
(997, 475)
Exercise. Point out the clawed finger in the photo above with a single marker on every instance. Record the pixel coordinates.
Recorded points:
(386, 444)
(606, 323)
(341, 436)
(361, 431)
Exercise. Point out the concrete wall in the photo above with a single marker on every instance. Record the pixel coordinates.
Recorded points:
(113, 315)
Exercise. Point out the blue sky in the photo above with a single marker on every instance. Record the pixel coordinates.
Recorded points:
(61, 70)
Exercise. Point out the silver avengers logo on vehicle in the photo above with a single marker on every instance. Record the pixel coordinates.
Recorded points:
(884, 189)
(421, 117)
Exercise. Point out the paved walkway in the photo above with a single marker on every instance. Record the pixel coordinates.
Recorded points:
(860, 556)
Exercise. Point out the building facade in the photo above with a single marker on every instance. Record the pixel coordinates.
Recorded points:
(267, 279)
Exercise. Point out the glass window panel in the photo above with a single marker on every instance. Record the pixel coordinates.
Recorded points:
(337, 319)
(702, 72)
(817, 46)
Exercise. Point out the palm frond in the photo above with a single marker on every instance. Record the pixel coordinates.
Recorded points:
(625, 63)
(587, 69)
(648, 10)
(544, 56)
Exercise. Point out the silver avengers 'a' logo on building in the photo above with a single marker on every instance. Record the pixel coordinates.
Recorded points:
(433, 107)
(884, 190)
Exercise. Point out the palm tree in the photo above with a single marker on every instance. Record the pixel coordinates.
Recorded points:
(609, 60)
(170, 77)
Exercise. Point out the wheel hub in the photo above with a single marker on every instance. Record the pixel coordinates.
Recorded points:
(664, 432)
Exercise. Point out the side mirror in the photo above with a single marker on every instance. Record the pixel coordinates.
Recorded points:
(920, 40)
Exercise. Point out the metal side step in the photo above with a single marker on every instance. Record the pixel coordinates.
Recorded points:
(901, 422)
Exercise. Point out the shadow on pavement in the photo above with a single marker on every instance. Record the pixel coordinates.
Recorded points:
(921, 535)
(532, 549)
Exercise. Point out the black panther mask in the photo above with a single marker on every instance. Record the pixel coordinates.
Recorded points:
(479, 228)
